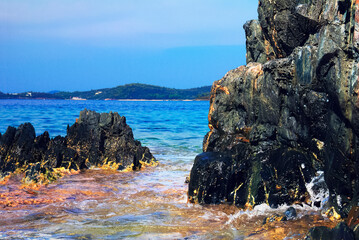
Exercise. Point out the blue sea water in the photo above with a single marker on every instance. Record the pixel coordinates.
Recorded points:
(167, 124)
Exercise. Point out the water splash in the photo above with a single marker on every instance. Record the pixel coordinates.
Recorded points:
(318, 191)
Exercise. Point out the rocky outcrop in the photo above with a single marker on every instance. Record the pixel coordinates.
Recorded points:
(95, 140)
(292, 111)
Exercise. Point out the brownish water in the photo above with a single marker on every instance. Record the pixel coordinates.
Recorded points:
(150, 204)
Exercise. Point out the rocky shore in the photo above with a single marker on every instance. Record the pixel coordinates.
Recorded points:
(289, 115)
(95, 140)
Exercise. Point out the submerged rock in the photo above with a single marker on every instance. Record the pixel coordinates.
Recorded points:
(95, 140)
(290, 113)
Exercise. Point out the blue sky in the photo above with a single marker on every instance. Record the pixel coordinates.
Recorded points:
(86, 44)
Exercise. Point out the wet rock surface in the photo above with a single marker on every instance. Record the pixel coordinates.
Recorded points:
(341, 231)
(290, 113)
(95, 140)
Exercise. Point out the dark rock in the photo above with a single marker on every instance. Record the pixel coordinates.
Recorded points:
(258, 47)
(105, 138)
(319, 233)
(356, 232)
(94, 140)
(211, 177)
(274, 218)
(340, 232)
(294, 112)
(275, 177)
(288, 24)
(290, 213)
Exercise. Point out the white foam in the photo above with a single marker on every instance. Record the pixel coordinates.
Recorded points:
(265, 210)
(318, 190)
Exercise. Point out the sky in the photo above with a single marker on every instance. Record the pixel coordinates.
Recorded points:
(81, 45)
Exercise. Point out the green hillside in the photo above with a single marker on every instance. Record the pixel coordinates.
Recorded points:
(128, 91)
(28, 95)
(139, 91)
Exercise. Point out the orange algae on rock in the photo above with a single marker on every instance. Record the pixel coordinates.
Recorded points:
(94, 140)
(5, 180)
(47, 178)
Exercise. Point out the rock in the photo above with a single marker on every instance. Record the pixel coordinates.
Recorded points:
(210, 183)
(274, 177)
(289, 24)
(340, 232)
(258, 47)
(289, 214)
(274, 218)
(105, 138)
(95, 140)
(319, 233)
(290, 113)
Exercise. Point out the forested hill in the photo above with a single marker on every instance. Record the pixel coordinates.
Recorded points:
(129, 91)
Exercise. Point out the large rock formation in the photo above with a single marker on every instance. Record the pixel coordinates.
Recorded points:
(95, 140)
(292, 111)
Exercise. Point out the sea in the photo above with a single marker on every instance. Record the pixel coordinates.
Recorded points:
(148, 204)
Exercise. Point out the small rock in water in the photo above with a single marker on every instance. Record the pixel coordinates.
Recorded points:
(187, 179)
(289, 214)
(274, 218)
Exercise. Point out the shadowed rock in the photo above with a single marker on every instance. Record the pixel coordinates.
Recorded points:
(341, 231)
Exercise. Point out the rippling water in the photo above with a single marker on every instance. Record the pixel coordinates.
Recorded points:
(150, 204)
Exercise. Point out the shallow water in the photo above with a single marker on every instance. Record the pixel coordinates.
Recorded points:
(150, 204)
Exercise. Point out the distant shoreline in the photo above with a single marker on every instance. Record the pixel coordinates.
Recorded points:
(128, 92)
(120, 100)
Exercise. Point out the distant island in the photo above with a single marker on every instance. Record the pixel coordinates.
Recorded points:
(128, 91)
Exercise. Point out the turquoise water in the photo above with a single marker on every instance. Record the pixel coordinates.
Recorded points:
(159, 124)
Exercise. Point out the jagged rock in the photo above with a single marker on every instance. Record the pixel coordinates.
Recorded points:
(258, 48)
(93, 141)
(289, 24)
(291, 114)
(100, 138)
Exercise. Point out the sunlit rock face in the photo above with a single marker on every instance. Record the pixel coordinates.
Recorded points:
(292, 111)
(95, 140)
